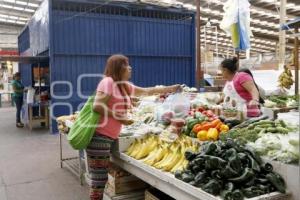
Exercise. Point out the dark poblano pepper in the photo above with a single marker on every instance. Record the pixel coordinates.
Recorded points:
(213, 162)
(209, 149)
(230, 154)
(189, 155)
(200, 177)
(267, 167)
(196, 169)
(226, 195)
(213, 187)
(261, 180)
(277, 181)
(254, 155)
(237, 195)
(228, 172)
(250, 182)
(216, 174)
(236, 164)
(251, 192)
(229, 186)
(253, 164)
(247, 175)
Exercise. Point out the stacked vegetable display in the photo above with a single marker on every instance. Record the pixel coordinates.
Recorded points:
(277, 101)
(251, 130)
(230, 170)
(274, 139)
(204, 125)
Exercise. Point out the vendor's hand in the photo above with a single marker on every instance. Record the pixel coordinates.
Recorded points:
(253, 103)
(126, 121)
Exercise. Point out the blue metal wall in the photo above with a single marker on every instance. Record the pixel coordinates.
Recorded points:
(26, 74)
(161, 50)
(24, 40)
(80, 35)
(34, 39)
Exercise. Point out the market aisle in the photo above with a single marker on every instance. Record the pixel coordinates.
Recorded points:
(29, 165)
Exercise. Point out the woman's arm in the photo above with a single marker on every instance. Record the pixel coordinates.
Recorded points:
(139, 91)
(15, 89)
(251, 88)
(100, 106)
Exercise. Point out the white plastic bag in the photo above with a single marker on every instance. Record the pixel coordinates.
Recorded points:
(30, 95)
(175, 106)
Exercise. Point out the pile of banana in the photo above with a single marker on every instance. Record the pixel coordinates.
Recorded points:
(160, 154)
(285, 79)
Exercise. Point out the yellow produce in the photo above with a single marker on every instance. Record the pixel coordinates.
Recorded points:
(212, 134)
(224, 128)
(202, 135)
(161, 154)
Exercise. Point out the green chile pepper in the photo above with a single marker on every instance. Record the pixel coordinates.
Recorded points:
(226, 195)
(237, 195)
(247, 174)
(276, 181)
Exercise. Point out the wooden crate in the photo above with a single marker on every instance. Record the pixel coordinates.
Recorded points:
(127, 196)
(154, 194)
(120, 181)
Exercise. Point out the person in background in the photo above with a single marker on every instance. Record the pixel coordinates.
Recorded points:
(18, 89)
(241, 87)
(112, 101)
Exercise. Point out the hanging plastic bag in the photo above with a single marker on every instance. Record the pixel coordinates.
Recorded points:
(236, 23)
(175, 106)
(30, 95)
(84, 127)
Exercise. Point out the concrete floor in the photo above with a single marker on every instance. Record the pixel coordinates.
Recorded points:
(29, 164)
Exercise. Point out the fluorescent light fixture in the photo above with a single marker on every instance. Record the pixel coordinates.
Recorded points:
(9, 1)
(19, 22)
(21, 2)
(33, 5)
(13, 17)
(18, 8)
(28, 10)
(6, 6)
(11, 21)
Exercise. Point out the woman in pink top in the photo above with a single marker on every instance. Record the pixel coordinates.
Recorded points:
(112, 101)
(240, 89)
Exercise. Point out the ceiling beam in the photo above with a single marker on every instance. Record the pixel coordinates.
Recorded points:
(6, 11)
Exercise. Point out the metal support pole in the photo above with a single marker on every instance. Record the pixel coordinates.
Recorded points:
(296, 57)
(282, 34)
(199, 72)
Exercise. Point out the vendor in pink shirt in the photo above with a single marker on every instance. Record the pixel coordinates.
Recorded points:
(112, 101)
(240, 90)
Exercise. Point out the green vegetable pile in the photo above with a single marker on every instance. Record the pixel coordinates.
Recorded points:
(284, 101)
(251, 131)
(230, 170)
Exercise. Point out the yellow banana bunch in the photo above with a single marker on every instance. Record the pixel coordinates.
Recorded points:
(285, 79)
(160, 154)
(147, 147)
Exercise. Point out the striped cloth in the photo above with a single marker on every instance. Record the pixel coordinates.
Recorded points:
(98, 161)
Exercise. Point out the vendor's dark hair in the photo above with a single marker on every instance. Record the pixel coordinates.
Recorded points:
(261, 100)
(231, 64)
(17, 74)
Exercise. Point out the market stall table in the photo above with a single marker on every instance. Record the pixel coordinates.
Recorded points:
(43, 116)
(10, 97)
(74, 163)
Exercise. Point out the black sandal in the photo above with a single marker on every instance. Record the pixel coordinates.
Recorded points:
(19, 125)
